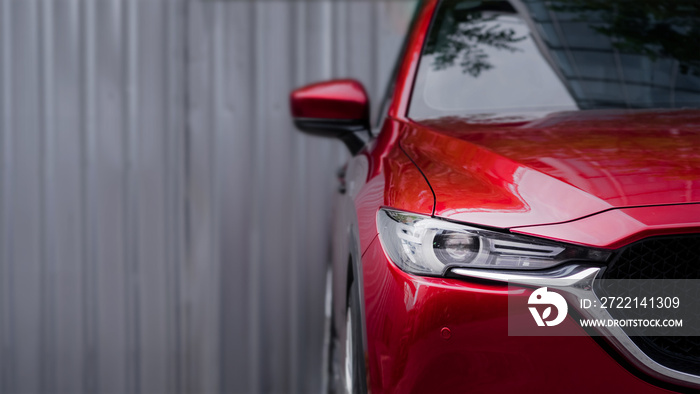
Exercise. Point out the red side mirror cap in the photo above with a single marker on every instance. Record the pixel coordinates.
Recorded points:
(338, 109)
(344, 99)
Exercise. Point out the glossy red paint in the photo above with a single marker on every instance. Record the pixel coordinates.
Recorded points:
(405, 314)
(557, 168)
(407, 351)
(619, 227)
(592, 177)
(340, 99)
(380, 147)
(409, 64)
(381, 175)
(393, 181)
(475, 185)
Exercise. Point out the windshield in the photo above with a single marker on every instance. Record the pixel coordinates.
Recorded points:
(524, 56)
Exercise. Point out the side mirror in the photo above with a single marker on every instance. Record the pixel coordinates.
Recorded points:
(338, 109)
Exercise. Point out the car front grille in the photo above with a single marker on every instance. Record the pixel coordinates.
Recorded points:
(658, 258)
(675, 257)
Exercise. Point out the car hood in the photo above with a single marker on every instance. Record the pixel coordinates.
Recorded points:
(519, 171)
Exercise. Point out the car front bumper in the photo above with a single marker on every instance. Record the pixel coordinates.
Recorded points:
(449, 335)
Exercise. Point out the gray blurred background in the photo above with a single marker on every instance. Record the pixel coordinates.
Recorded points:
(162, 226)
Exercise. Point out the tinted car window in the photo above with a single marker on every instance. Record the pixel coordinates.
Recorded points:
(485, 57)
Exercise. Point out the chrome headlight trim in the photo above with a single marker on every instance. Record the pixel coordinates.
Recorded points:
(423, 245)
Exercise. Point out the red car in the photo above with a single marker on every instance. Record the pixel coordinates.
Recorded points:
(518, 139)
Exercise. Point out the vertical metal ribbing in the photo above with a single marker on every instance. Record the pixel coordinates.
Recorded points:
(131, 236)
(327, 40)
(83, 159)
(169, 215)
(217, 151)
(297, 41)
(296, 38)
(7, 324)
(186, 247)
(219, 100)
(375, 90)
(256, 238)
(174, 167)
(47, 373)
(89, 228)
(339, 22)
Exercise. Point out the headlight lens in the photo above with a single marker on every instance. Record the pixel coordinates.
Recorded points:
(422, 245)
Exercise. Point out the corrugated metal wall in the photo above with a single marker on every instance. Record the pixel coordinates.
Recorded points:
(162, 227)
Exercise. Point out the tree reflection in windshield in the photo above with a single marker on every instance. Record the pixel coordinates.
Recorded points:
(467, 38)
(506, 56)
(653, 28)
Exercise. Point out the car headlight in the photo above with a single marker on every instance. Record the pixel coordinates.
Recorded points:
(426, 246)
